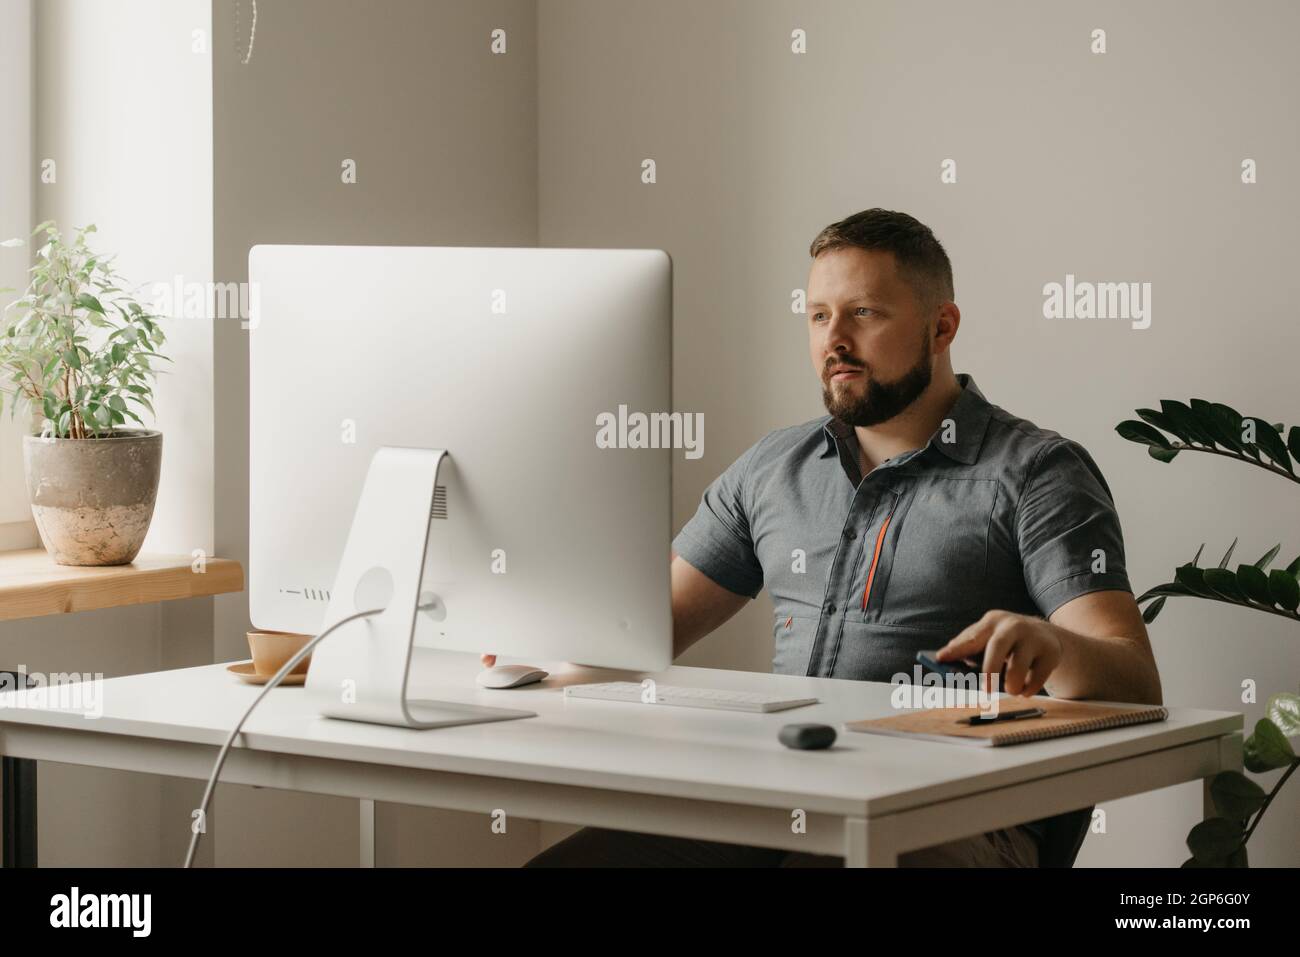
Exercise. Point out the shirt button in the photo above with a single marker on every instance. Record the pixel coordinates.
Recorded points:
(830, 608)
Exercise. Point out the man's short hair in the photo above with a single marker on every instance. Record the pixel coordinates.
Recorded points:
(921, 260)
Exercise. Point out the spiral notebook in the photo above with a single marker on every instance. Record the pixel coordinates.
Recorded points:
(1063, 718)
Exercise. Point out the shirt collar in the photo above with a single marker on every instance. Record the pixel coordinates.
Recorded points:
(970, 416)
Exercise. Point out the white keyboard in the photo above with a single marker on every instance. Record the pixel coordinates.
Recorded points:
(685, 697)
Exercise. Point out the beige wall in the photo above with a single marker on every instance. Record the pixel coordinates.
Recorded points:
(129, 126)
(1115, 167)
(444, 136)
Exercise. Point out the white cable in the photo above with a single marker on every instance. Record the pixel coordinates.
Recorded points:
(225, 749)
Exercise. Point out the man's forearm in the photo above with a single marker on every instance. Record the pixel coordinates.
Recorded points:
(1104, 669)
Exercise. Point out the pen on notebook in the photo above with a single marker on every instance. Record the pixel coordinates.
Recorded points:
(1006, 716)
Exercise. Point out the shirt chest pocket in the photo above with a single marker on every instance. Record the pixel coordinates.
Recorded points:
(934, 568)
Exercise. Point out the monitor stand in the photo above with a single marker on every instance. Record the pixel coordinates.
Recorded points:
(360, 672)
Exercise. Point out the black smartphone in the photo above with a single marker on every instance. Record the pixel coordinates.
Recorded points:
(957, 666)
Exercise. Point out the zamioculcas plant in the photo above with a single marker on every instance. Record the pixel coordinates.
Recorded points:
(1213, 427)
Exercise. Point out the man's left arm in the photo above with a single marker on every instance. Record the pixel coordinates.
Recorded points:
(1091, 641)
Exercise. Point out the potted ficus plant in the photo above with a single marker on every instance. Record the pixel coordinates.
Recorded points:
(75, 354)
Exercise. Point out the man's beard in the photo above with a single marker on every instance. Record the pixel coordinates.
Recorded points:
(882, 400)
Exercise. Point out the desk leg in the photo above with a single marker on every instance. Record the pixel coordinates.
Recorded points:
(865, 845)
(18, 804)
(367, 833)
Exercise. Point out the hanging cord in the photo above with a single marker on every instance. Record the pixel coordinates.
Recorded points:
(225, 749)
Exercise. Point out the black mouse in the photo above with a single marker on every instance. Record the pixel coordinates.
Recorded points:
(807, 737)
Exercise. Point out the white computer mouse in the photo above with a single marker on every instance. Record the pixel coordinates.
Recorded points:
(509, 676)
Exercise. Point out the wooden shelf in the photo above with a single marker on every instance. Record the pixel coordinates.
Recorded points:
(32, 585)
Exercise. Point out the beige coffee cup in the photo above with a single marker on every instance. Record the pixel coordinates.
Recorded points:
(272, 649)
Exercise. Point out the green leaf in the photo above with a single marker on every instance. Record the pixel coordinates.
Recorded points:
(1223, 562)
(1294, 568)
(87, 301)
(1161, 421)
(1254, 583)
(1284, 711)
(1293, 442)
(1266, 749)
(1236, 796)
(1271, 442)
(1186, 421)
(1161, 455)
(72, 358)
(1225, 583)
(1141, 432)
(1216, 424)
(1194, 579)
(1214, 839)
(1284, 589)
(116, 402)
(1153, 609)
(1268, 557)
(1170, 589)
(1197, 556)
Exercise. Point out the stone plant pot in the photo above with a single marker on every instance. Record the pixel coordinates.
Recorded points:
(93, 498)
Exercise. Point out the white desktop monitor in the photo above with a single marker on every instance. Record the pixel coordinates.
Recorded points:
(542, 544)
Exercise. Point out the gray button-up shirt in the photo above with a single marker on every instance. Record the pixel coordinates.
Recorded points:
(992, 512)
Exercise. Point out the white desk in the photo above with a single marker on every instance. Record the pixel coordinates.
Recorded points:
(680, 771)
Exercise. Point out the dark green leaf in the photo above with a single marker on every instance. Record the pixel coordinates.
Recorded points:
(1254, 583)
(1236, 796)
(1141, 432)
(1293, 442)
(1284, 589)
(1215, 424)
(1223, 562)
(1225, 583)
(1268, 557)
(1271, 442)
(1161, 421)
(1266, 749)
(1194, 579)
(1197, 557)
(1161, 455)
(1294, 568)
(1214, 839)
(1186, 421)
(1172, 588)
(1153, 609)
